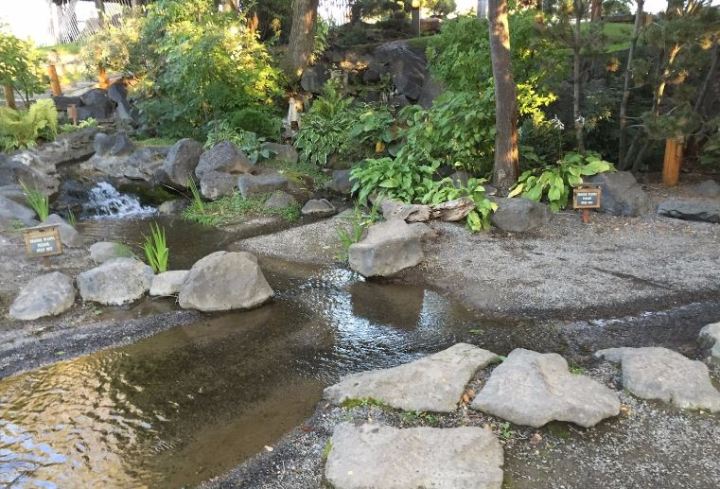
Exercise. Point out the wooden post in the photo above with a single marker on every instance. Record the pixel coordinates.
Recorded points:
(72, 113)
(10, 96)
(673, 160)
(54, 81)
(103, 80)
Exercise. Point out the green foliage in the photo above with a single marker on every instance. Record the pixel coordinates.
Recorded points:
(38, 201)
(506, 432)
(555, 182)
(419, 417)
(336, 128)
(71, 218)
(22, 129)
(89, 122)
(235, 208)
(327, 449)
(359, 222)
(156, 250)
(21, 66)
(248, 142)
(114, 47)
(197, 201)
(363, 402)
(259, 121)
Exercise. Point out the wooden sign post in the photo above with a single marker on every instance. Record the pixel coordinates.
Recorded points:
(43, 242)
(586, 197)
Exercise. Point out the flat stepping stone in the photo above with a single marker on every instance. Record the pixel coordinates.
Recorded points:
(659, 373)
(710, 338)
(532, 389)
(434, 383)
(382, 457)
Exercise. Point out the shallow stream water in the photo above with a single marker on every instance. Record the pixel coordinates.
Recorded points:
(193, 401)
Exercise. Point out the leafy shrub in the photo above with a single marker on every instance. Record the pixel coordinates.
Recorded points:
(89, 122)
(156, 250)
(248, 142)
(114, 47)
(261, 122)
(21, 66)
(555, 182)
(22, 129)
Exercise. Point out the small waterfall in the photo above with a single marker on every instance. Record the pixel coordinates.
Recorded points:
(106, 202)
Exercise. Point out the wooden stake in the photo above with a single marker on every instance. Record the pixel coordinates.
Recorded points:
(673, 161)
(103, 80)
(586, 216)
(10, 96)
(54, 81)
(73, 113)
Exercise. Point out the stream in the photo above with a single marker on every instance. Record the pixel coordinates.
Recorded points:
(195, 400)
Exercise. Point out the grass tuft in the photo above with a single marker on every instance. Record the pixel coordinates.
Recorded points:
(37, 200)
(156, 250)
(235, 208)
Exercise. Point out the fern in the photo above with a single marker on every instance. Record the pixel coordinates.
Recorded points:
(22, 129)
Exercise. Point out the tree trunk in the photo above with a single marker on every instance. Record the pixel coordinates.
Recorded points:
(577, 45)
(9, 96)
(507, 164)
(714, 54)
(596, 10)
(100, 7)
(302, 36)
(626, 85)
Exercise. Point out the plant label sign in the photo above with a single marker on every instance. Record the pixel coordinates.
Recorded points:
(42, 241)
(586, 197)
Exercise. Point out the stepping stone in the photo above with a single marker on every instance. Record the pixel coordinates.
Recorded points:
(381, 457)
(532, 389)
(691, 210)
(710, 338)
(389, 247)
(659, 373)
(434, 383)
(46, 295)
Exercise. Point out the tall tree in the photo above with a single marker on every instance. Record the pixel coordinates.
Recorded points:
(507, 161)
(577, 45)
(626, 84)
(302, 36)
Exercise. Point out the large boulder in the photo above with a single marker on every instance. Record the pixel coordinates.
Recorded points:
(281, 152)
(280, 200)
(434, 383)
(116, 156)
(340, 182)
(665, 375)
(95, 104)
(223, 281)
(374, 456)
(520, 215)
(103, 251)
(116, 282)
(11, 213)
(68, 234)
(47, 295)
(691, 210)
(407, 68)
(250, 185)
(390, 246)
(707, 188)
(181, 161)
(224, 157)
(168, 283)
(710, 339)
(532, 389)
(118, 94)
(31, 172)
(621, 194)
(214, 185)
(314, 77)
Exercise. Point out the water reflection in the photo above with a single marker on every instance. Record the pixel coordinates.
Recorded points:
(193, 401)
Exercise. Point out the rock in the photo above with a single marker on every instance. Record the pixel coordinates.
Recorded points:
(63, 102)
(621, 194)
(407, 68)
(12, 172)
(340, 182)
(390, 246)
(691, 210)
(11, 212)
(659, 373)
(214, 185)
(318, 208)
(223, 281)
(141, 165)
(14, 193)
(282, 152)
(68, 234)
(118, 94)
(707, 188)
(121, 145)
(102, 143)
(168, 283)
(394, 209)
(314, 77)
(95, 104)
(47, 295)
(116, 282)
(374, 456)
(423, 231)
(250, 185)
(434, 383)
(171, 207)
(224, 157)
(103, 251)
(710, 338)
(280, 200)
(68, 148)
(520, 215)
(431, 90)
(94, 96)
(181, 161)
(452, 210)
(532, 389)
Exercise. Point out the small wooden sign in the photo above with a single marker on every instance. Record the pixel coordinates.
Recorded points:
(42, 241)
(586, 197)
